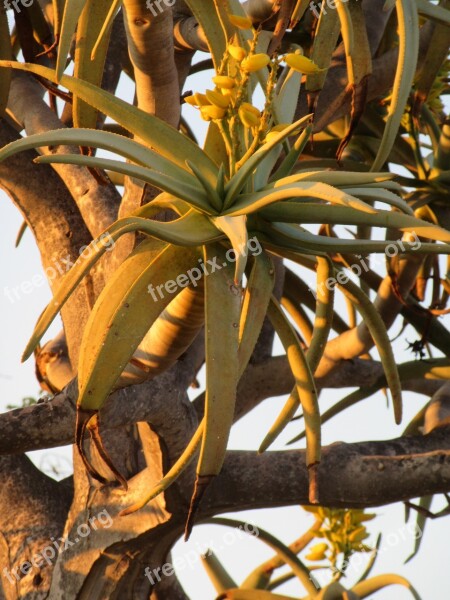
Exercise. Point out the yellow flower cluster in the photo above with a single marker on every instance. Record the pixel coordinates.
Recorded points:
(215, 104)
(343, 531)
(243, 126)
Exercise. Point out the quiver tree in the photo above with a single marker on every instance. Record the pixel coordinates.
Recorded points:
(192, 254)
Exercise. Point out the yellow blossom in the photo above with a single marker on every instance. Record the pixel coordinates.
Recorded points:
(236, 52)
(211, 111)
(224, 82)
(255, 62)
(301, 63)
(217, 98)
(317, 552)
(240, 22)
(249, 115)
(197, 99)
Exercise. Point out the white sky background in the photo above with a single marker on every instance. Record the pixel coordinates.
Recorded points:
(369, 420)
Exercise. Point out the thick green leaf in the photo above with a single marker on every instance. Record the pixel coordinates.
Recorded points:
(190, 230)
(324, 312)
(219, 576)
(285, 553)
(123, 314)
(237, 182)
(433, 12)
(119, 144)
(156, 133)
(248, 203)
(379, 582)
(318, 243)
(70, 18)
(185, 191)
(254, 307)
(380, 195)
(222, 316)
(337, 178)
(309, 212)
(408, 29)
(90, 24)
(306, 390)
(235, 228)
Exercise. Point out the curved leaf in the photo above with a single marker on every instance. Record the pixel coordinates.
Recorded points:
(222, 312)
(156, 133)
(90, 24)
(374, 584)
(237, 182)
(284, 552)
(122, 315)
(377, 329)
(174, 472)
(119, 144)
(249, 203)
(408, 28)
(306, 391)
(169, 184)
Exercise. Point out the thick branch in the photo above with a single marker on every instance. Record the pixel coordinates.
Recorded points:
(56, 224)
(385, 472)
(33, 509)
(150, 44)
(27, 429)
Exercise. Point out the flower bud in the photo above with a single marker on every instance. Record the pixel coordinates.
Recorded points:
(212, 112)
(251, 108)
(249, 115)
(255, 62)
(197, 99)
(275, 131)
(358, 535)
(236, 52)
(224, 82)
(217, 98)
(301, 63)
(240, 22)
(317, 552)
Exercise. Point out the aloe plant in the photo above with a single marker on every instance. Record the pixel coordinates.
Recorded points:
(213, 239)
